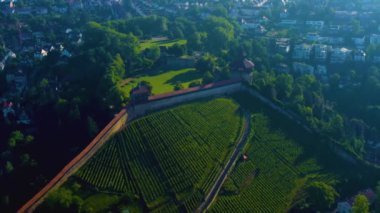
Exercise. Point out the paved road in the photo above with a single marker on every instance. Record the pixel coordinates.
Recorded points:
(230, 164)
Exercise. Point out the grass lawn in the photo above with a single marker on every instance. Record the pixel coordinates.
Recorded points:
(161, 43)
(165, 82)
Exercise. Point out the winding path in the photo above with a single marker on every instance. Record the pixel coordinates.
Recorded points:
(230, 164)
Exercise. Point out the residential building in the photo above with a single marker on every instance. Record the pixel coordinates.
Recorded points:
(321, 52)
(374, 39)
(282, 45)
(359, 56)
(288, 23)
(344, 207)
(321, 70)
(316, 25)
(312, 37)
(359, 42)
(340, 55)
(302, 52)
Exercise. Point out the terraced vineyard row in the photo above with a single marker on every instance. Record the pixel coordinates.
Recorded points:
(170, 158)
(269, 180)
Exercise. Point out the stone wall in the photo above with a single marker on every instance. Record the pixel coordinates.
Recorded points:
(145, 108)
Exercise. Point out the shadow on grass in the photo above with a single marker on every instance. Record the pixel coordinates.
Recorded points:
(185, 77)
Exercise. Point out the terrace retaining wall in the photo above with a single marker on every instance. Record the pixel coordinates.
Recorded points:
(158, 104)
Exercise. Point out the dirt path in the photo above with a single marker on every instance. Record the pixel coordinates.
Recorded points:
(228, 168)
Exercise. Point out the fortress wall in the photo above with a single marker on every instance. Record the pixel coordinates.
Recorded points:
(115, 125)
(143, 109)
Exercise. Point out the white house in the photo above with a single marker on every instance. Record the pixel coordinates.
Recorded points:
(359, 56)
(283, 45)
(317, 25)
(374, 39)
(312, 37)
(320, 52)
(340, 55)
(288, 23)
(359, 42)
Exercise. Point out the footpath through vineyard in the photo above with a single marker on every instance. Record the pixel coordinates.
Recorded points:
(228, 168)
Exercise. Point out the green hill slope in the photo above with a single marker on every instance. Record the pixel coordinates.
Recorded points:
(170, 158)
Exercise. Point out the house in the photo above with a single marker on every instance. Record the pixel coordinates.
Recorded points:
(332, 40)
(359, 56)
(359, 42)
(374, 39)
(8, 109)
(302, 52)
(282, 45)
(346, 206)
(255, 26)
(345, 15)
(316, 25)
(140, 94)
(250, 12)
(17, 81)
(343, 207)
(282, 68)
(340, 55)
(320, 52)
(376, 59)
(312, 37)
(288, 23)
(321, 70)
(24, 11)
(333, 28)
(284, 14)
(40, 55)
(303, 68)
(24, 118)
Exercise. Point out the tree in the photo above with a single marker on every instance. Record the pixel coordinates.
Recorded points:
(207, 78)
(284, 85)
(336, 125)
(177, 50)
(15, 138)
(321, 195)
(92, 127)
(9, 167)
(206, 63)
(61, 200)
(361, 204)
(196, 41)
(178, 86)
(377, 202)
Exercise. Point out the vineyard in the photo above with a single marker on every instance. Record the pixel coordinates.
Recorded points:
(271, 177)
(170, 158)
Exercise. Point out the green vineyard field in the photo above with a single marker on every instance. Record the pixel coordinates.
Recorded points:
(271, 177)
(170, 158)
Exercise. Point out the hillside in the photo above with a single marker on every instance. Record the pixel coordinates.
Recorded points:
(168, 159)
